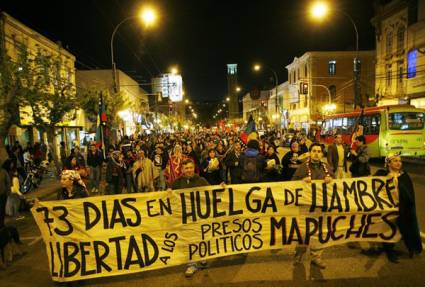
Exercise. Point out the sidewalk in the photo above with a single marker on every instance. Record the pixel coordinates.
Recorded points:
(48, 186)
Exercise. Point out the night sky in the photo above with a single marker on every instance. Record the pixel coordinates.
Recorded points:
(200, 36)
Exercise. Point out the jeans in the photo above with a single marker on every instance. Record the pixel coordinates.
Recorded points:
(95, 176)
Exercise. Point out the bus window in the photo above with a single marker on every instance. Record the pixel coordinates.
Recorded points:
(371, 124)
(406, 121)
(351, 123)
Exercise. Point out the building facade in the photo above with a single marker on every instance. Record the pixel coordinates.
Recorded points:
(317, 80)
(135, 99)
(400, 52)
(16, 35)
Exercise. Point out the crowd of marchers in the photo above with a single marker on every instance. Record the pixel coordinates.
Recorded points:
(158, 162)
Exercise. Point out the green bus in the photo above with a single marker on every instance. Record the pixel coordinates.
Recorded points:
(396, 128)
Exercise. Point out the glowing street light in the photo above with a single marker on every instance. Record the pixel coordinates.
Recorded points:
(257, 67)
(186, 101)
(174, 70)
(148, 16)
(319, 10)
(238, 89)
(227, 99)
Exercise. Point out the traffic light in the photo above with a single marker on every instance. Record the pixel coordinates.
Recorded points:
(303, 88)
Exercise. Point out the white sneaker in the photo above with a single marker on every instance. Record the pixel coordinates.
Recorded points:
(190, 271)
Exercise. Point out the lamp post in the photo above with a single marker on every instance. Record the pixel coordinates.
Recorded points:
(257, 68)
(318, 11)
(148, 17)
(329, 107)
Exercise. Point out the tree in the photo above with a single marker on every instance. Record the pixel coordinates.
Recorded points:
(113, 102)
(10, 91)
(49, 94)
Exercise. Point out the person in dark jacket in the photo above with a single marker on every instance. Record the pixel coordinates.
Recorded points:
(291, 161)
(407, 220)
(232, 162)
(360, 164)
(212, 168)
(115, 173)
(271, 171)
(190, 179)
(94, 162)
(252, 163)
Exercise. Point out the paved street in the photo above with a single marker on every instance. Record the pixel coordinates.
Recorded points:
(346, 267)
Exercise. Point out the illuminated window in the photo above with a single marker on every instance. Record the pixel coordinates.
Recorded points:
(411, 63)
(332, 68)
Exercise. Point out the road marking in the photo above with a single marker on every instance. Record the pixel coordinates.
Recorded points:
(29, 237)
(35, 240)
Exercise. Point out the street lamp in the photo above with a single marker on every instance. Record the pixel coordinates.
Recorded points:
(148, 17)
(257, 68)
(174, 70)
(238, 89)
(227, 99)
(318, 11)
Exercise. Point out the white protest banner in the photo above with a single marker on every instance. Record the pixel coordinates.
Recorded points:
(122, 234)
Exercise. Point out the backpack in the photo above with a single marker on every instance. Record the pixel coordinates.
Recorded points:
(249, 170)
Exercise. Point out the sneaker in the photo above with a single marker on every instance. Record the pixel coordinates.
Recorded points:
(190, 271)
(319, 263)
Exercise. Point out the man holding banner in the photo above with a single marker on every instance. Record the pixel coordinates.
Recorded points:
(190, 179)
(313, 169)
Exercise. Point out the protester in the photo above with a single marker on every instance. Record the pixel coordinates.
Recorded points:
(232, 162)
(337, 159)
(190, 179)
(360, 159)
(272, 168)
(212, 168)
(15, 197)
(252, 163)
(174, 165)
(94, 162)
(72, 185)
(407, 221)
(313, 169)
(159, 165)
(143, 173)
(115, 173)
(291, 161)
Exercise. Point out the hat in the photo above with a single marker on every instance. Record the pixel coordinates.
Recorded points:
(390, 156)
